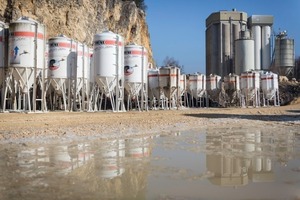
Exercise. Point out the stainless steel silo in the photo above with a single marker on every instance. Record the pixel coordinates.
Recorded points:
(284, 54)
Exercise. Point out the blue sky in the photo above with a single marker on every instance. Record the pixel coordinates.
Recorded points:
(177, 28)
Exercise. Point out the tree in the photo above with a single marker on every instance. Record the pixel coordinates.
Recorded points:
(140, 4)
(170, 61)
(297, 68)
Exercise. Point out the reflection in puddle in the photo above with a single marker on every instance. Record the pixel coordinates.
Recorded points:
(208, 164)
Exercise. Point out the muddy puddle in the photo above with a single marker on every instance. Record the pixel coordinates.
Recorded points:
(219, 163)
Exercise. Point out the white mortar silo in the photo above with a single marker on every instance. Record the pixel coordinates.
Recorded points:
(61, 65)
(213, 87)
(83, 73)
(196, 87)
(250, 88)
(183, 89)
(182, 84)
(213, 82)
(26, 50)
(270, 88)
(92, 85)
(169, 78)
(153, 87)
(2, 52)
(62, 57)
(26, 57)
(135, 73)
(109, 67)
(232, 89)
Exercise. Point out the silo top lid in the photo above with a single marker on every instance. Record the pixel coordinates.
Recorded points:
(3, 25)
(132, 43)
(25, 19)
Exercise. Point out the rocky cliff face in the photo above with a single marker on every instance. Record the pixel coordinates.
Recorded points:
(81, 19)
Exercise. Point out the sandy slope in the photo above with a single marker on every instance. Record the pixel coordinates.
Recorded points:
(16, 127)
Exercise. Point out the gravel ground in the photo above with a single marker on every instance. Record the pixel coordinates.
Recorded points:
(68, 126)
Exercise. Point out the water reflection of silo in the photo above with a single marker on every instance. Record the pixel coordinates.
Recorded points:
(33, 161)
(68, 158)
(227, 170)
(259, 165)
(109, 159)
(227, 167)
(137, 147)
(122, 179)
(236, 164)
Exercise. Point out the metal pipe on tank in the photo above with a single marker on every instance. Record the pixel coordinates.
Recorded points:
(142, 71)
(43, 95)
(84, 49)
(35, 67)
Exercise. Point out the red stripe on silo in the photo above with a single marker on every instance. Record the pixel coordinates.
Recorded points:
(168, 75)
(136, 52)
(112, 42)
(64, 44)
(210, 80)
(267, 78)
(229, 81)
(153, 75)
(195, 80)
(27, 34)
(248, 76)
(40, 36)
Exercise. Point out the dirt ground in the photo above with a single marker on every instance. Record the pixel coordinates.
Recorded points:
(60, 126)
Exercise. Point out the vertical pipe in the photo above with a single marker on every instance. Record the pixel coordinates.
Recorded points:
(117, 75)
(35, 67)
(142, 89)
(83, 77)
(43, 84)
(74, 77)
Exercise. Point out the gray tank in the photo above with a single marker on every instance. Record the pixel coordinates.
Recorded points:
(284, 53)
